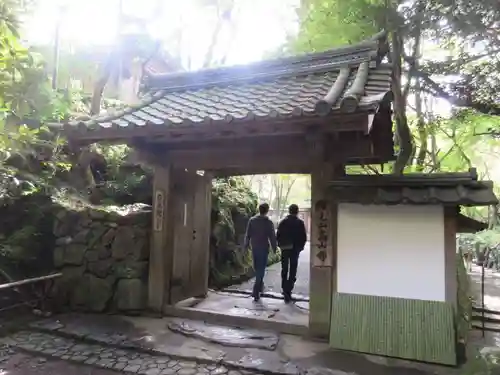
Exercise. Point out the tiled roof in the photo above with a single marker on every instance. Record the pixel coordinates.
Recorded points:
(467, 224)
(343, 80)
(451, 189)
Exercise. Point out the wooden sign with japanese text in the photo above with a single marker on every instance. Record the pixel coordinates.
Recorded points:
(158, 211)
(321, 241)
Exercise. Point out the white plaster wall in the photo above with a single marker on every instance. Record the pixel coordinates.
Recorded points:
(395, 251)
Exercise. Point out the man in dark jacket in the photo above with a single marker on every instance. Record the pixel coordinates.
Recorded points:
(292, 238)
(260, 234)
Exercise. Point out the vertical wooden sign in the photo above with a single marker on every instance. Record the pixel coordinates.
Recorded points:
(159, 210)
(321, 248)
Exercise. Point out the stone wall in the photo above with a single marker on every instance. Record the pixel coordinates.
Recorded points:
(103, 256)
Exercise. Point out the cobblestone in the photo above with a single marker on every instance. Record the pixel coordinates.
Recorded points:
(107, 358)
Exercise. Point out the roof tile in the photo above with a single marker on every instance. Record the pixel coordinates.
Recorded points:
(451, 189)
(273, 89)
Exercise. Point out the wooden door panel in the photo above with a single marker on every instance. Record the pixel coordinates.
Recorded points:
(200, 250)
(183, 237)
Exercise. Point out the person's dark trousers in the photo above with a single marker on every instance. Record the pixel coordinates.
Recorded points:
(259, 265)
(289, 264)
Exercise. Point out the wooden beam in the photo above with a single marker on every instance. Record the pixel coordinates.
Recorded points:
(266, 169)
(286, 169)
(333, 123)
(280, 155)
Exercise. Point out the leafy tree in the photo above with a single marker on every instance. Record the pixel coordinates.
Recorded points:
(465, 33)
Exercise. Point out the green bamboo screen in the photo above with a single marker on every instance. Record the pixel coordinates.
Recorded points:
(395, 327)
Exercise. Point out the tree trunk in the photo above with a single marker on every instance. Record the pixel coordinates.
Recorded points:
(421, 126)
(402, 129)
(99, 86)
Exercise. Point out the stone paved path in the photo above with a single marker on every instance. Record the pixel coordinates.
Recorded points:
(24, 364)
(272, 280)
(105, 357)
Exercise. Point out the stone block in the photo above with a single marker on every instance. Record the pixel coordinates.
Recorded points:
(74, 254)
(104, 253)
(123, 243)
(96, 233)
(108, 237)
(101, 268)
(91, 294)
(82, 236)
(58, 256)
(131, 295)
(130, 269)
(92, 255)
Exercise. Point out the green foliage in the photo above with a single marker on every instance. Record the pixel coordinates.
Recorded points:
(448, 50)
(29, 156)
(327, 24)
(233, 203)
(231, 197)
(125, 182)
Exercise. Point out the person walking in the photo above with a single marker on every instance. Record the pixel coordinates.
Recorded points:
(260, 234)
(291, 238)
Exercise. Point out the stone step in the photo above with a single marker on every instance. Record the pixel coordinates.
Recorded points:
(253, 361)
(108, 357)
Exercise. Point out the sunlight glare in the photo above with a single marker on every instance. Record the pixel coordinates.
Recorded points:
(185, 27)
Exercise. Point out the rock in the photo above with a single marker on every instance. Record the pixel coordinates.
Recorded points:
(141, 249)
(82, 236)
(96, 234)
(92, 255)
(130, 270)
(67, 223)
(108, 237)
(91, 294)
(104, 253)
(64, 285)
(74, 254)
(124, 240)
(131, 294)
(85, 223)
(58, 256)
(101, 268)
(61, 215)
(64, 240)
(72, 273)
(97, 214)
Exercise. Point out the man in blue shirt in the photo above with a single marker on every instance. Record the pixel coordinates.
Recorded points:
(259, 236)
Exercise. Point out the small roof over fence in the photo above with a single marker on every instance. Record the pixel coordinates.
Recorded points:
(448, 189)
(467, 224)
(340, 82)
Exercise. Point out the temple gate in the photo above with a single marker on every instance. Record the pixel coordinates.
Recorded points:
(312, 114)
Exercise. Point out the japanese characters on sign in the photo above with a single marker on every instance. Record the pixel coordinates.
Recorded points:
(322, 231)
(159, 208)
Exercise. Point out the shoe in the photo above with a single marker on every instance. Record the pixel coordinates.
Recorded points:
(287, 296)
(256, 298)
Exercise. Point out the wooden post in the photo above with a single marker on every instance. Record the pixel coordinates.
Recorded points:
(159, 272)
(201, 234)
(323, 275)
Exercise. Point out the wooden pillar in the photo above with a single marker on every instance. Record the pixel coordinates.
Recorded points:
(201, 234)
(323, 275)
(159, 272)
